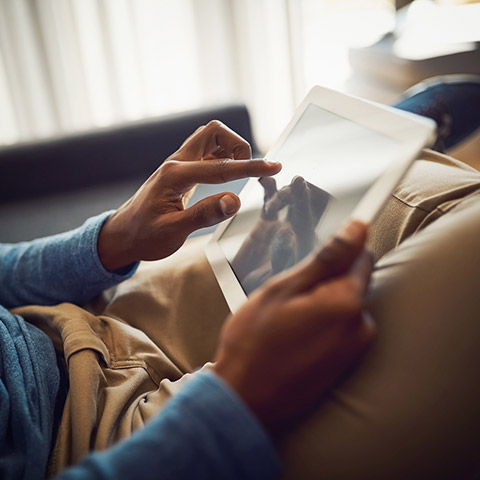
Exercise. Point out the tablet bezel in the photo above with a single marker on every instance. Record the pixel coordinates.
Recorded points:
(412, 132)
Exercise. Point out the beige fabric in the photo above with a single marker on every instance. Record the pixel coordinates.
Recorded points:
(412, 409)
(127, 354)
(433, 186)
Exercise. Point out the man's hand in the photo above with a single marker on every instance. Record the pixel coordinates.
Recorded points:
(154, 223)
(300, 332)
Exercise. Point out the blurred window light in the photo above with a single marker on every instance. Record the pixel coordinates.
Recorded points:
(331, 27)
(79, 64)
(432, 29)
(8, 122)
(23, 66)
(123, 50)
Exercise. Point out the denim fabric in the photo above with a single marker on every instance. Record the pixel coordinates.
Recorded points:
(454, 105)
(205, 432)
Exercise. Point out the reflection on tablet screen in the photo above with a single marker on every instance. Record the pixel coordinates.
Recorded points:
(329, 163)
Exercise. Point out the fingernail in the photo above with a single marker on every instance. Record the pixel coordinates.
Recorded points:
(349, 231)
(228, 204)
(271, 162)
(268, 161)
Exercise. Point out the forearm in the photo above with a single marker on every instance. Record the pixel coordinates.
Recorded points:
(204, 432)
(63, 267)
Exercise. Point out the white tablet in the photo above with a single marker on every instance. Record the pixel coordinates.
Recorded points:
(342, 157)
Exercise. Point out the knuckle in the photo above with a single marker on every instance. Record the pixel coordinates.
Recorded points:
(171, 172)
(214, 124)
(194, 135)
(274, 286)
(339, 245)
(251, 168)
(243, 150)
(201, 214)
(222, 167)
(168, 167)
(329, 255)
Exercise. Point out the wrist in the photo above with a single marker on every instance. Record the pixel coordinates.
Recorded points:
(232, 374)
(113, 246)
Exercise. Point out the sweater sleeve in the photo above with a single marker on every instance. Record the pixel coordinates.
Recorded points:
(205, 432)
(59, 268)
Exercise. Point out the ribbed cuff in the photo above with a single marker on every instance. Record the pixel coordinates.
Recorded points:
(88, 255)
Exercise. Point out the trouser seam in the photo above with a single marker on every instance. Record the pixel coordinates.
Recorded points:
(404, 202)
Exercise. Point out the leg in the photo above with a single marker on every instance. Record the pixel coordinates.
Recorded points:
(412, 409)
(131, 350)
(453, 101)
(434, 185)
(176, 302)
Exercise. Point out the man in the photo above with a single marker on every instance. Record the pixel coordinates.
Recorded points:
(220, 423)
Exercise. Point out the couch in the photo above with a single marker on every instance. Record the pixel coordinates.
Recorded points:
(411, 410)
(53, 185)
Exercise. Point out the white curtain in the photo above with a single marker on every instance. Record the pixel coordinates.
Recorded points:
(70, 65)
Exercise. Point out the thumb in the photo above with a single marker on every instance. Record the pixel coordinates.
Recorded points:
(334, 259)
(209, 211)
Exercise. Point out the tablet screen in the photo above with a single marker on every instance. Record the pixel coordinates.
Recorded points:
(329, 162)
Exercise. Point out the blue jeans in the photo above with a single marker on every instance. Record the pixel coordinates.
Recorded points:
(452, 101)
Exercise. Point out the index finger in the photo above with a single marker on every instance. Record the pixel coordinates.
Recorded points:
(183, 175)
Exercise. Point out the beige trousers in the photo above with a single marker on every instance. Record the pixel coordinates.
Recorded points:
(411, 410)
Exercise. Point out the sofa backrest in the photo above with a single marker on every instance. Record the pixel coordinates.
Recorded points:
(51, 186)
(105, 156)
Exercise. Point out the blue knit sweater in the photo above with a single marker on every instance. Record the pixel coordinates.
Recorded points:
(204, 432)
